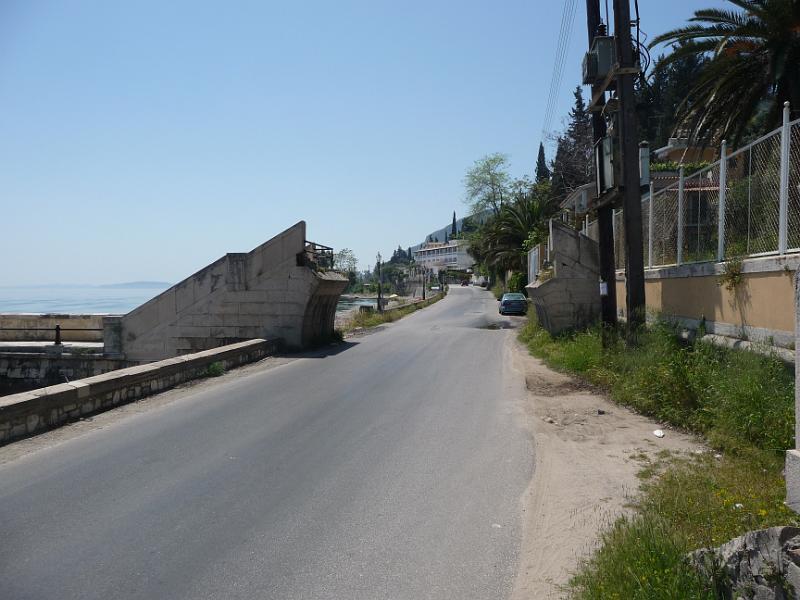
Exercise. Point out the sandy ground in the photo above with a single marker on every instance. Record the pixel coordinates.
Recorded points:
(588, 452)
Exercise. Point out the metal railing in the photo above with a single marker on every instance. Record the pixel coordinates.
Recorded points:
(318, 256)
(746, 204)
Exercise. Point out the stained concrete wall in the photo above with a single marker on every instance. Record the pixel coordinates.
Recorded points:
(760, 308)
(570, 298)
(268, 293)
(20, 371)
(29, 327)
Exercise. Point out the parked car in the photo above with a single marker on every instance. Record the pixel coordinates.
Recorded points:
(513, 304)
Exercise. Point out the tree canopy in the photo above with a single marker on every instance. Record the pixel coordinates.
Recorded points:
(486, 183)
(751, 66)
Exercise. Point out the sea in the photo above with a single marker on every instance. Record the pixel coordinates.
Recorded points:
(115, 300)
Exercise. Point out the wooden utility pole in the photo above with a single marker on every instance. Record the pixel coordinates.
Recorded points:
(605, 213)
(629, 153)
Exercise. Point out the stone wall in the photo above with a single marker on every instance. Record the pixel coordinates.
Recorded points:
(33, 327)
(271, 292)
(30, 412)
(25, 371)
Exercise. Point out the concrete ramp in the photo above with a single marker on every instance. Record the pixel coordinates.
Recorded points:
(279, 290)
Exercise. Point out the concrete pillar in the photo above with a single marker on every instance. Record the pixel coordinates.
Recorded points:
(112, 336)
(793, 456)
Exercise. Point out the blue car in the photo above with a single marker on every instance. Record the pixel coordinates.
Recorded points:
(513, 304)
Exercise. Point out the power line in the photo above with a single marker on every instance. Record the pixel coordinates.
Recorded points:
(562, 47)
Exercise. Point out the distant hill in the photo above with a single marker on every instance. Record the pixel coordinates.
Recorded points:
(136, 285)
(440, 233)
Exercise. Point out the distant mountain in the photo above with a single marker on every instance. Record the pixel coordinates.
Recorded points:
(440, 233)
(136, 285)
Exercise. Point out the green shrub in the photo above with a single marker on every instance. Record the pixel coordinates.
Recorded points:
(215, 369)
(517, 282)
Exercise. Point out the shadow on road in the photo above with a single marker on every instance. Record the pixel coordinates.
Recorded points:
(320, 352)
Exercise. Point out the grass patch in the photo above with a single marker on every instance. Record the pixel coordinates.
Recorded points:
(742, 402)
(737, 399)
(367, 320)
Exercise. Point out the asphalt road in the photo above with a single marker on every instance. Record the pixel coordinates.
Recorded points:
(392, 467)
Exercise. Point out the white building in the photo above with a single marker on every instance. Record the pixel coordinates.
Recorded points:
(444, 255)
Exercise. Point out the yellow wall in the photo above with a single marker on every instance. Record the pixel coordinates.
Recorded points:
(763, 300)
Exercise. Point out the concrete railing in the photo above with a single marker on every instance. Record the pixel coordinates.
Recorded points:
(32, 327)
(30, 412)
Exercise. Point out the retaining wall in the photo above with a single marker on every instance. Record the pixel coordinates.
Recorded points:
(21, 371)
(760, 308)
(30, 412)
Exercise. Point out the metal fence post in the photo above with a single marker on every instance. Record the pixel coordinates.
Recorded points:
(650, 229)
(680, 216)
(723, 189)
(784, 191)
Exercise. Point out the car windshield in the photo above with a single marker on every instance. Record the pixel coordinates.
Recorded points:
(513, 297)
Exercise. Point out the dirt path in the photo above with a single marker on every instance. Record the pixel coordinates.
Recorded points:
(588, 453)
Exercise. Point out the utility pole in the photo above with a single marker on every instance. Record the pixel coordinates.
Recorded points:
(629, 149)
(605, 213)
(380, 284)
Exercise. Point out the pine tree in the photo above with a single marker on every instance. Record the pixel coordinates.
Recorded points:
(453, 230)
(542, 172)
(573, 165)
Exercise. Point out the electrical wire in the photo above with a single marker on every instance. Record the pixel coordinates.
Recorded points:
(562, 47)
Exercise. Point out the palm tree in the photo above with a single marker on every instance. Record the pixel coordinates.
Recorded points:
(754, 67)
(506, 236)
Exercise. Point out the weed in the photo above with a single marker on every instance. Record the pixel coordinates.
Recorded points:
(215, 369)
(732, 274)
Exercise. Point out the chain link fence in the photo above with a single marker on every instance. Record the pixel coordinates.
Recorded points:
(753, 198)
(685, 222)
(793, 209)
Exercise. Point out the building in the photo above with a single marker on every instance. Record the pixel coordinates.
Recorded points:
(439, 256)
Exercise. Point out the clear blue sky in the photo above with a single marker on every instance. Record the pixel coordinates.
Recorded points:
(142, 140)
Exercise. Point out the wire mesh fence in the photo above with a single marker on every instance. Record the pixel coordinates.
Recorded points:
(685, 225)
(793, 209)
(752, 198)
(665, 226)
(700, 215)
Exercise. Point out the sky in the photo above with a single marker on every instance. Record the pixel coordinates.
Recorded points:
(143, 140)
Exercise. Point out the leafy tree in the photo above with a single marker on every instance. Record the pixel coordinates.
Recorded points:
(542, 171)
(486, 183)
(503, 241)
(345, 260)
(752, 69)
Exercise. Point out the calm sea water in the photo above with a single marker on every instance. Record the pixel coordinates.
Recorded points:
(76, 300)
(92, 300)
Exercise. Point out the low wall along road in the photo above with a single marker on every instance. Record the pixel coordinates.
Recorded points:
(44, 408)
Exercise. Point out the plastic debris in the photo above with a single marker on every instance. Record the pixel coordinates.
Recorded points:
(659, 433)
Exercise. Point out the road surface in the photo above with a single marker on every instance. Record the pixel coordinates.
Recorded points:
(391, 468)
